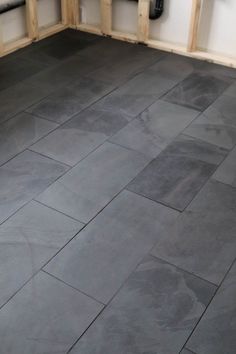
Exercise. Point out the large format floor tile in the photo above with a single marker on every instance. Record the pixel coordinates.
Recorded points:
(186, 351)
(154, 312)
(202, 240)
(104, 254)
(20, 132)
(155, 128)
(94, 182)
(217, 125)
(81, 135)
(24, 177)
(28, 240)
(137, 94)
(215, 332)
(174, 178)
(17, 98)
(226, 172)
(198, 90)
(46, 316)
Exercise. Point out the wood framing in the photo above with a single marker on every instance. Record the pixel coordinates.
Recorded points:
(194, 24)
(32, 19)
(1, 39)
(106, 16)
(143, 20)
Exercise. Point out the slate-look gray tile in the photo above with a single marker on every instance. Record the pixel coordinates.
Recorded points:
(226, 172)
(104, 254)
(154, 312)
(28, 240)
(81, 135)
(186, 351)
(217, 125)
(94, 182)
(154, 129)
(137, 94)
(23, 177)
(215, 332)
(202, 240)
(17, 98)
(46, 316)
(20, 132)
(172, 179)
(198, 90)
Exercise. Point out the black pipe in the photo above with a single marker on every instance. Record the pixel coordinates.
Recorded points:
(156, 9)
(11, 5)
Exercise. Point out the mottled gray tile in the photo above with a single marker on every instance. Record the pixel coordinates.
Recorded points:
(103, 255)
(190, 147)
(226, 172)
(215, 332)
(217, 125)
(17, 98)
(154, 129)
(172, 179)
(202, 240)
(219, 70)
(154, 312)
(198, 90)
(94, 182)
(24, 177)
(231, 91)
(186, 351)
(20, 132)
(46, 316)
(175, 67)
(137, 94)
(28, 240)
(81, 135)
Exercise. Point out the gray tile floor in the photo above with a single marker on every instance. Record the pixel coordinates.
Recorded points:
(117, 200)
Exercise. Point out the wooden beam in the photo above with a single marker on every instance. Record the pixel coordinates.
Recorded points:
(143, 20)
(1, 38)
(194, 24)
(32, 19)
(64, 11)
(106, 16)
(73, 13)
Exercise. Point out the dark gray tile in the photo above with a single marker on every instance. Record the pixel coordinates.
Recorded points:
(215, 332)
(137, 94)
(94, 182)
(104, 254)
(46, 316)
(198, 90)
(58, 107)
(172, 179)
(24, 177)
(28, 240)
(202, 240)
(186, 351)
(220, 70)
(154, 312)
(20, 132)
(154, 129)
(226, 172)
(81, 135)
(175, 67)
(231, 91)
(190, 147)
(14, 70)
(217, 125)
(17, 98)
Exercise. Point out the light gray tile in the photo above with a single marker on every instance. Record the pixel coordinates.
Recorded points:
(173, 180)
(104, 254)
(226, 172)
(20, 132)
(186, 351)
(28, 240)
(24, 177)
(17, 98)
(46, 316)
(202, 240)
(81, 135)
(215, 332)
(154, 312)
(91, 184)
(198, 90)
(137, 94)
(217, 125)
(154, 129)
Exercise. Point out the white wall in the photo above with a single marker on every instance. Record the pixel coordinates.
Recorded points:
(217, 30)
